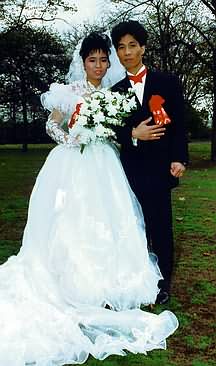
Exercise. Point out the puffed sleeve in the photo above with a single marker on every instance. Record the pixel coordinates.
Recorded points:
(61, 97)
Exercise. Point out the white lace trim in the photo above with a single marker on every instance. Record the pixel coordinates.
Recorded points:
(57, 133)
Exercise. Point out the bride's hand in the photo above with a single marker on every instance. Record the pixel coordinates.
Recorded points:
(56, 116)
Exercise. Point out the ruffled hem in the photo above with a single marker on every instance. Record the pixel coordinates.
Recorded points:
(35, 332)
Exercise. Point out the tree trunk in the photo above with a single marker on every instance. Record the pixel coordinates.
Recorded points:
(25, 129)
(25, 118)
(213, 139)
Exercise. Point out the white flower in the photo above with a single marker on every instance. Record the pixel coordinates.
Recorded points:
(99, 117)
(132, 102)
(129, 104)
(109, 132)
(119, 97)
(100, 130)
(85, 110)
(86, 136)
(126, 106)
(109, 97)
(82, 120)
(98, 94)
(111, 120)
(112, 110)
(95, 105)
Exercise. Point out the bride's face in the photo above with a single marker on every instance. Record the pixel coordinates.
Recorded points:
(96, 65)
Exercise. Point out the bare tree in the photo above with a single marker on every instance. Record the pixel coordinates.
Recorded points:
(20, 12)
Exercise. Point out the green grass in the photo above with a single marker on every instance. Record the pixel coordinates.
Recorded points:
(198, 362)
(194, 279)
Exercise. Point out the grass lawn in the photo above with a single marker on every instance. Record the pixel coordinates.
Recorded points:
(194, 280)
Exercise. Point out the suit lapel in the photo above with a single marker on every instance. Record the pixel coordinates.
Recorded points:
(148, 90)
(124, 85)
(128, 85)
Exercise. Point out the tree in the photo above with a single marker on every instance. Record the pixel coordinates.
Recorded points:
(211, 5)
(18, 13)
(197, 122)
(30, 61)
(28, 64)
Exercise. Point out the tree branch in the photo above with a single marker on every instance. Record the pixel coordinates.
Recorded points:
(210, 5)
(211, 45)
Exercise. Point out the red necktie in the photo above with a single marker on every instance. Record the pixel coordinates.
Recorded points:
(138, 78)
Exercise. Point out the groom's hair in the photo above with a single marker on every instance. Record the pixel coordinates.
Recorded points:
(131, 27)
(95, 42)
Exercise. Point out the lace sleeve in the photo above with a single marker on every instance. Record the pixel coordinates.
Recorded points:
(57, 133)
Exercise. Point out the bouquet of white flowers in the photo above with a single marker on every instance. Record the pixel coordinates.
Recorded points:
(100, 111)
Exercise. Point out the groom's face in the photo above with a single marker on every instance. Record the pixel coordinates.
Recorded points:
(130, 53)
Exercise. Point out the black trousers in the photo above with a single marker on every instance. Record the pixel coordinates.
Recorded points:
(157, 210)
(149, 180)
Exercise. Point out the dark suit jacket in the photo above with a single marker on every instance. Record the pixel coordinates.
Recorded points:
(148, 165)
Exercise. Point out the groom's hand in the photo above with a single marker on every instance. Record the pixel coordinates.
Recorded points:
(177, 169)
(145, 132)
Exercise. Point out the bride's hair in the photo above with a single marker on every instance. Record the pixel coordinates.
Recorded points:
(91, 43)
(95, 42)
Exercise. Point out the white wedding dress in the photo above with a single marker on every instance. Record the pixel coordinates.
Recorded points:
(84, 246)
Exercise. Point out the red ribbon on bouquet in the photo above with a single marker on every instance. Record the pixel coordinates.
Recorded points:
(160, 116)
(74, 115)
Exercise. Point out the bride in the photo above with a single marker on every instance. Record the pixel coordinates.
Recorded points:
(83, 270)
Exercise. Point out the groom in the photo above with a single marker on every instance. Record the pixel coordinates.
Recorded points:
(153, 142)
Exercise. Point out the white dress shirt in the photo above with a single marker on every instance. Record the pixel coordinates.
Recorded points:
(139, 91)
(139, 87)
